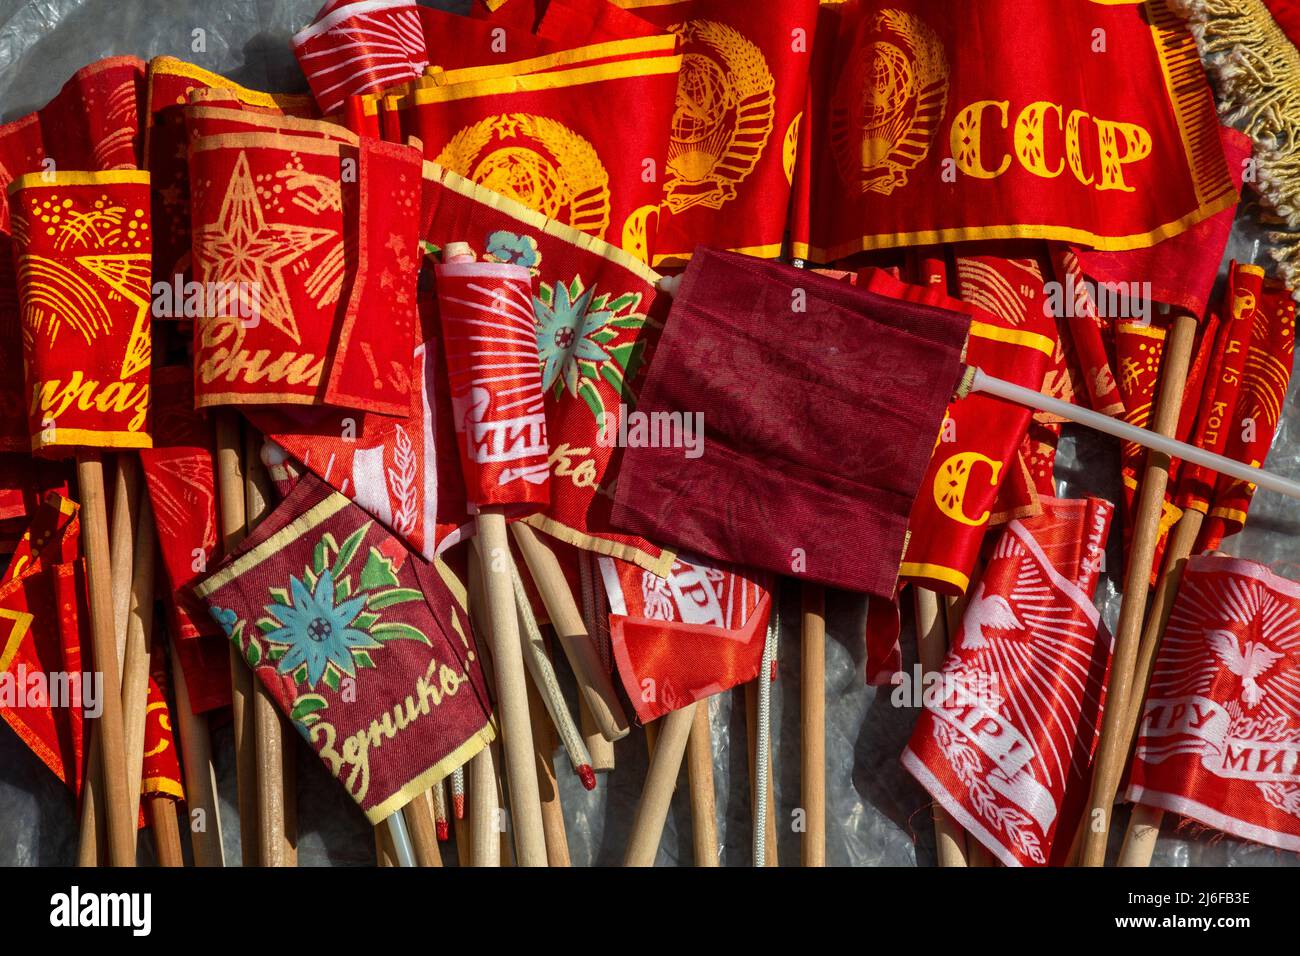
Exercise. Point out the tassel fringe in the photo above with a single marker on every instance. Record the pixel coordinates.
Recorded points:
(1258, 72)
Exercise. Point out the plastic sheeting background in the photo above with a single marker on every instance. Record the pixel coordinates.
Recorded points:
(876, 813)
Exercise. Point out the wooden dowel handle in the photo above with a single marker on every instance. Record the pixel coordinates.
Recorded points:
(594, 682)
(660, 782)
(512, 690)
(109, 728)
(812, 749)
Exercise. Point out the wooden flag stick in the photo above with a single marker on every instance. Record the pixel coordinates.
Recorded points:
(812, 723)
(699, 771)
(164, 824)
(660, 782)
(200, 776)
(139, 642)
(1112, 749)
(932, 646)
(512, 689)
(109, 736)
(230, 513)
(275, 845)
(1144, 823)
(594, 684)
(544, 742)
(418, 815)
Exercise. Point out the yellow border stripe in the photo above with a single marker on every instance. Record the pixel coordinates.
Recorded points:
(273, 545)
(913, 569)
(558, 79)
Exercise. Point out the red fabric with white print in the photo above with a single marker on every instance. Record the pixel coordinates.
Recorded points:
(355, 48)
(1220, 734)
(1004, 743)
(490, 340)
(682, 638)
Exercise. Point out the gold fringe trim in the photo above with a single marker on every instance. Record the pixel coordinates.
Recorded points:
(1258, 72)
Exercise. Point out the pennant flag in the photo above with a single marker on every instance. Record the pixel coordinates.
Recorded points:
(1220, 728)
(359, 643)
(977, 447)
(1266, 375)
(735, 126)
(305, 248)
(1041, 135)
(180, 478)
(684, 637)
(93, 123)
(490, 342)
(43, 690)
(553, 137)
(1006, 734)
(168, 87)
(354, 48)
(808, 409)
(161, 775)
(82, 252)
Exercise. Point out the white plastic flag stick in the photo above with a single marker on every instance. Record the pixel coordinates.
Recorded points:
(979, 382)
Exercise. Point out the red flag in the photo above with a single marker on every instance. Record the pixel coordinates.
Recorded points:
(1221, 723)
(360, 643)
(914, 140)
(681, 638)
(1004, 740)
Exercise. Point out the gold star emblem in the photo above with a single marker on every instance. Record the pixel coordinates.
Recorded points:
(242, 247)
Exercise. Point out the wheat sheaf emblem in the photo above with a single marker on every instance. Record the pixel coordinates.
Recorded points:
(723, 118)
(888, 102)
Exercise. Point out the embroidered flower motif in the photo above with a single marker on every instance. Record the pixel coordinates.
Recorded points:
(564, 335)
(318, 630)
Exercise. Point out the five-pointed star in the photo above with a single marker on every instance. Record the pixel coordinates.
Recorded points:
(242, 247)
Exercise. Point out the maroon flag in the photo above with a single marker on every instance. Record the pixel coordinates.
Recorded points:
(816, 405)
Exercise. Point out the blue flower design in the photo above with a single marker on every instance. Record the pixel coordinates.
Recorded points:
(318, 631)
(564, 330)
(506, 246)
(225, 617)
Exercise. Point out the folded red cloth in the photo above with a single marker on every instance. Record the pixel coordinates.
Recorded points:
(820, 404)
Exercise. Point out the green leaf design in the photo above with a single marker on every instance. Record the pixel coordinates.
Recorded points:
(349, 550)
(587, 391)
(383, 599)
(398, 631)
(377, 572)
(306, 706)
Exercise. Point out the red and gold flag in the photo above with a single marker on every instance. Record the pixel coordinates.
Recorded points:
(977, 448)
(42, 601)
(305, 249)
(362, 645)
(82, 245)
(1220, 728)
(555, 138)
(1085, 122)
(1006, 734)
(689, 635)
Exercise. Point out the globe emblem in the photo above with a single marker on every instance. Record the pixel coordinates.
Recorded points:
(523, 175)
(701, 99)
(319, 629)
(888, 84)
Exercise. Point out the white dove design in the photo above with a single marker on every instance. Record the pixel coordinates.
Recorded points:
(1247, 662)
(986, 612)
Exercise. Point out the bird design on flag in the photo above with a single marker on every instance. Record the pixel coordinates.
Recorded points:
(1249, 661)
(987, 611)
